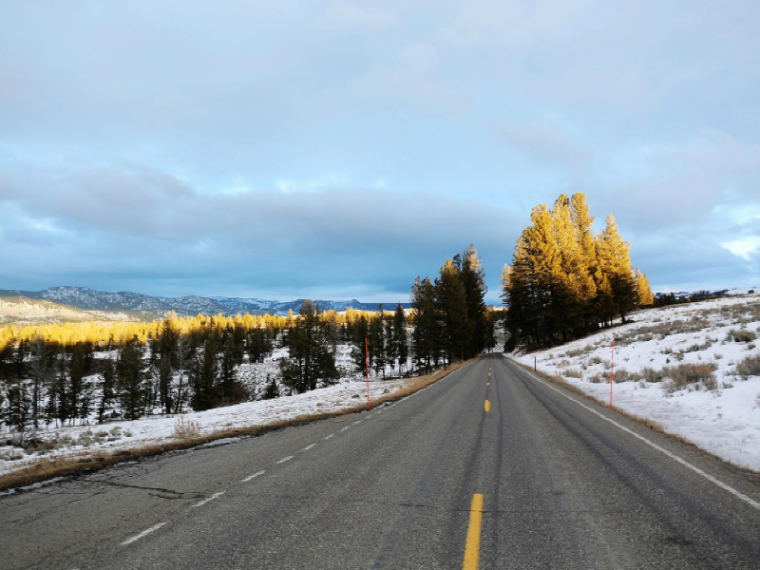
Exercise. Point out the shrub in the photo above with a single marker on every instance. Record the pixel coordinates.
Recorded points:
(684, 374)
(750, 366)
(622, 375)
(652, 375)
(741, 336)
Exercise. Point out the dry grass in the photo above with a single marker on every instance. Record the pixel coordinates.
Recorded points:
(186, 429)
(85, 462)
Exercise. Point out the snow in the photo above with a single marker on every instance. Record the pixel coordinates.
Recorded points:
(120, 435)
(722, 418)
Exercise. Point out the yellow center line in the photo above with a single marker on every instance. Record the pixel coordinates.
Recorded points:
(472, 548)
(488, 406)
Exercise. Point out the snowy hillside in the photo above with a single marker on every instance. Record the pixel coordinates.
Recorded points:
(694, 369)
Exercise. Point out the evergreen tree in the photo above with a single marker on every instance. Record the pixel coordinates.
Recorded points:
(400, 341)
(108, 387)
(474, 281)
(426, 332)
(231, 389)
(17, 413)
(360, 331)
(40, 365)
(21, 351)
(57, 407)
(131, 377)
(451, 301)
(206, 390)
(272, 390)
(377, 343)
(310, 361)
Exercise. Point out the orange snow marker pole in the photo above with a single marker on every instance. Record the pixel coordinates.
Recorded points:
(366, 360)
(612, 370)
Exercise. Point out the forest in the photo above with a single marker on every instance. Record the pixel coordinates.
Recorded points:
(564, 282)
(59, 374)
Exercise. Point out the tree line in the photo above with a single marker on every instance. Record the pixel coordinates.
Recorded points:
(450, 317)
(72, 372)
(564, 281)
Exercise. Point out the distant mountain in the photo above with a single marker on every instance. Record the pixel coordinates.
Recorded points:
(156, 307)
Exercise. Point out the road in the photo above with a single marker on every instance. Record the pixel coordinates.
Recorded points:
(401, 487)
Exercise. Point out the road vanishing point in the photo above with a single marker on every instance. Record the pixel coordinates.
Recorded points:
(489, 468)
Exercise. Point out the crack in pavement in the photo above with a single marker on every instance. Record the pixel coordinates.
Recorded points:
(179, 494)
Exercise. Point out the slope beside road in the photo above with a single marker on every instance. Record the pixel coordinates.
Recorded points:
(488, 468)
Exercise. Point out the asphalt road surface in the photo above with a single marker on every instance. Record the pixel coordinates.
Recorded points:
(488, 468)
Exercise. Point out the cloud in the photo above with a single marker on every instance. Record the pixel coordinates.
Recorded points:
(130, 216)
(743, 247)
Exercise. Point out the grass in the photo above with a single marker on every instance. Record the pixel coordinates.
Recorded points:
(88, 461)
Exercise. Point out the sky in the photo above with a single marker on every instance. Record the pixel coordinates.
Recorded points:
(287, 149)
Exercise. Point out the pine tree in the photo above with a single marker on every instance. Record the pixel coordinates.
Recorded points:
(40, 366)
(108, 386)
(400, 341)
(426, 333)
(206, 385)
(451, 300)
(473, 278)
(272, 390)
(18, 410)
(358, 352)
(130, 374)
(377, 343)
(310, 361)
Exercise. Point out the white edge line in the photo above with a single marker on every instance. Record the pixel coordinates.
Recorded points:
(211, 498)
(284, 459)
(308, 447)
(683, 462)
(329, 436)
(143, 533)
(252, 476)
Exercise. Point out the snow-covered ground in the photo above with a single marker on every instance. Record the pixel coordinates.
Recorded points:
(720, 413)
(117, 435)
(113, 436)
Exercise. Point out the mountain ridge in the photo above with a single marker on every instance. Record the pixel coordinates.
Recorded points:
(189, 305)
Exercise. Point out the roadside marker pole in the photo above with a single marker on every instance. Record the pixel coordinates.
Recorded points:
(366, 360)
(612, 370)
